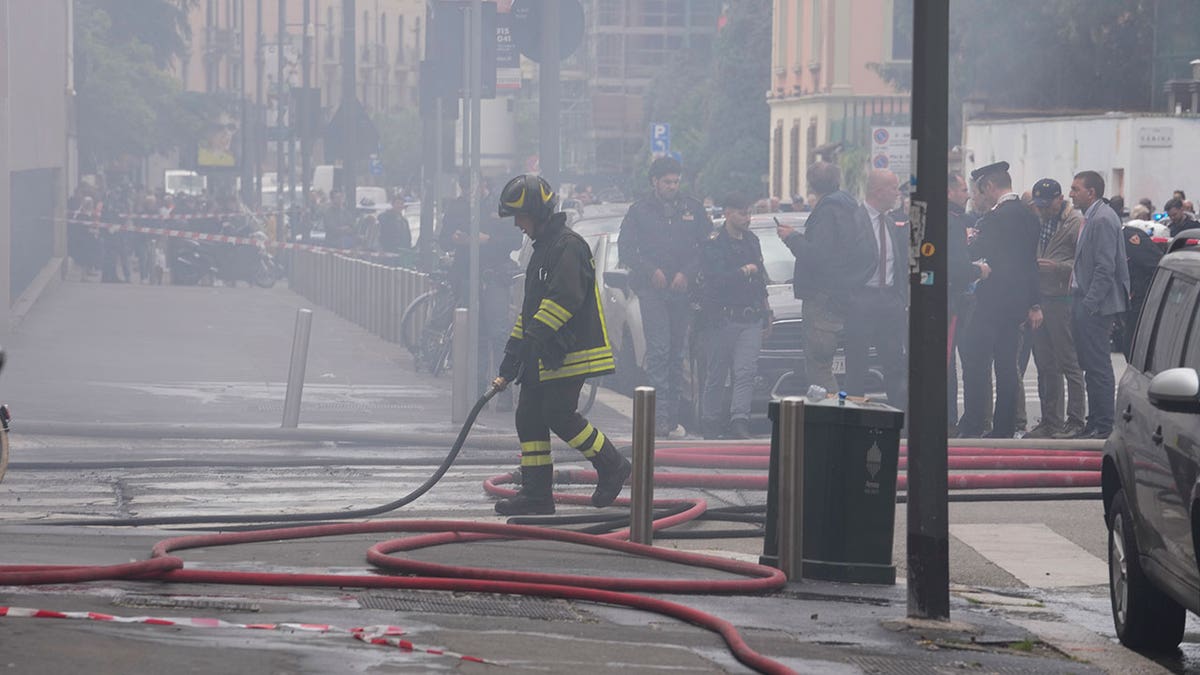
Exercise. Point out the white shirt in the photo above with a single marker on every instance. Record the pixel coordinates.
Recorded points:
(890, 266)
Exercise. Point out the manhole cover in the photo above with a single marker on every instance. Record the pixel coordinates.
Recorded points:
(474, 605)
(134, 600)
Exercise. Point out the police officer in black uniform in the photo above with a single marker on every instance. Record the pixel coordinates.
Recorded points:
(558, 341)
(660, 243)
(732, 293)
(1007, 297)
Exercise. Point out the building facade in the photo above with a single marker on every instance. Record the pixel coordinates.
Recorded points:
(826, 88)
(36, 144)
(227, 34)
(626, 44)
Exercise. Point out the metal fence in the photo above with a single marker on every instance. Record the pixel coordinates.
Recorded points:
(369, 294)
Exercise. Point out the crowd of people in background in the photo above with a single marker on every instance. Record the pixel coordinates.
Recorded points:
(1055, 276)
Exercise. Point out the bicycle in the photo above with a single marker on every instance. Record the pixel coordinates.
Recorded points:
(427, 325)
(5, 417)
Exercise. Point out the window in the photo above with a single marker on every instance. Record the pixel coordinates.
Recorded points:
(330, 41)
(609, 13)
(400, 40)
(1191, 358)
(794, 173)
(1174, 314)
(902, 30)
(777, 156)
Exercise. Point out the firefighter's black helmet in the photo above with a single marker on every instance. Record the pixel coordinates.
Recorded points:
(528, 194)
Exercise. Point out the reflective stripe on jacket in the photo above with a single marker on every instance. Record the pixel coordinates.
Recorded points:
(561, 323)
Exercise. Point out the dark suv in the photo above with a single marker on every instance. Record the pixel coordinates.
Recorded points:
(1151, 461)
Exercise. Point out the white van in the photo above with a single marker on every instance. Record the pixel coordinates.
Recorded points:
(176, 181)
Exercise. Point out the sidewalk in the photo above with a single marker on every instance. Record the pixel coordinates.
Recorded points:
(128, 353)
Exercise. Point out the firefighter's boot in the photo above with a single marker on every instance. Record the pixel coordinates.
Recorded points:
(536, 497)
(612, 471)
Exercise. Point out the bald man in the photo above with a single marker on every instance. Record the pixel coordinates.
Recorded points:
(878, 314)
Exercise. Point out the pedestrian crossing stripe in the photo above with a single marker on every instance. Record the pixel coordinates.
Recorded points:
(1036, 555)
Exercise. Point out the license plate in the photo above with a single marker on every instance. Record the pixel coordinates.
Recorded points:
(839, 365)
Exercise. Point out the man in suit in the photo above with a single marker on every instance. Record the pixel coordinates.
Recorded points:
(878, 312)
(1099, 291)
(1053, 345)
(962, 277)
(1007, 297)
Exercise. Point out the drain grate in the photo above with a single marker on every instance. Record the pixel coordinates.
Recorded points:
(983, 663)
(168, 602)
(473, 605)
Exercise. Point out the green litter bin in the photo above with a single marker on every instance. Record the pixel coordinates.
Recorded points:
(851, 454)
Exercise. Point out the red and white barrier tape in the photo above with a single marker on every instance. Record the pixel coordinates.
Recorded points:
(382, 635)
(226, 239)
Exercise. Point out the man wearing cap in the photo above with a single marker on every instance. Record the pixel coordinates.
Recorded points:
(1100, 292)
(1007, 297)
(732, 292)
(1053, 345)
(660, 242)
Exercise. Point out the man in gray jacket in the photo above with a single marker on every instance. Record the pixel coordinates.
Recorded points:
(1053, 345)
(1100, 291)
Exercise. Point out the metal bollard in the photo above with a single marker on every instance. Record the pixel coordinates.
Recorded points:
(460, 403)
(295, 384)
(641, 524)
(791, 487)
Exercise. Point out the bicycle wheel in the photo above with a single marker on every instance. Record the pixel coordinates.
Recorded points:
(592, 386)
(436, 336)
(414, 318)
(440, 352)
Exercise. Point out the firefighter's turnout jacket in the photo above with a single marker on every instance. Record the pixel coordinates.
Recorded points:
(561, 325)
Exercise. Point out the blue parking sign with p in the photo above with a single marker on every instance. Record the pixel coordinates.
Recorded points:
(660, 137)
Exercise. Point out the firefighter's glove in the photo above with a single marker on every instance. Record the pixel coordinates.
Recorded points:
(510, 367)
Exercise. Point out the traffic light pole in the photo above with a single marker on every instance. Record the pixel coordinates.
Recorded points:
(475, 81)
(549, 94)
(928, 512)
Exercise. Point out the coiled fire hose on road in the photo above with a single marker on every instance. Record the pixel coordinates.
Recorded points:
(163, 566)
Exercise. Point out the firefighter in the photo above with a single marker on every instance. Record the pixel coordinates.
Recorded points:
(559, 340)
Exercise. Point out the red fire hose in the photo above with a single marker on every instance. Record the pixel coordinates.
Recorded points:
(163, 566)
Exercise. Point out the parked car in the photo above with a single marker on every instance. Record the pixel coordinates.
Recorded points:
(622, 314)
(1151, 467)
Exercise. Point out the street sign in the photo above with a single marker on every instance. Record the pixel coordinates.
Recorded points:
(660, 138)
(527, 27)
(376, 166)
(891, 149)
(508, 59)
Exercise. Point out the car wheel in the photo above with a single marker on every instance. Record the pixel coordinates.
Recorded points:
(1145, 618)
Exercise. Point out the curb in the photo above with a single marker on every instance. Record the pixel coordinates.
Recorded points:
(254, 433)
(47, 279)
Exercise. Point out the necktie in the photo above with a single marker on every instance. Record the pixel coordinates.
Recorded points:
(883, 248)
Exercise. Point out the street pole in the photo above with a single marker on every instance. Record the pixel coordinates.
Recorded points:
(280, 136)
(475, 67)
(259, 66)
(349, 102)
(306, 110)
(550, 94)
(928, 513)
